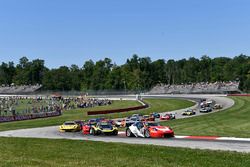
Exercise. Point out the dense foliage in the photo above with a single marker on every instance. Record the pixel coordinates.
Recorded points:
(138, 73)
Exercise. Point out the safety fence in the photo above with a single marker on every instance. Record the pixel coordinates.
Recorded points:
(29, 116)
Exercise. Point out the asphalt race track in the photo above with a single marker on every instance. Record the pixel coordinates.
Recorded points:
(53, 133)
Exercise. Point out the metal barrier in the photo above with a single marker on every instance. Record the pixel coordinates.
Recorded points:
(117, 110)
(30, 116)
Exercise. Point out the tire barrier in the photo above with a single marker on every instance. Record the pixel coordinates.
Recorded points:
(30, 116)
(118, 110)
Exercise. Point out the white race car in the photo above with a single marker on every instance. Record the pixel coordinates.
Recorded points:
(149, 129)
(137, 129)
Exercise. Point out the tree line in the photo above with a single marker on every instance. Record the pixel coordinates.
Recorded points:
(137, 74)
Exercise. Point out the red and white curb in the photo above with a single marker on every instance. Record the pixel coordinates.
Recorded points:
(206, 138)
(213, 138)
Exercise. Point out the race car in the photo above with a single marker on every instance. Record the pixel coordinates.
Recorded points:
(205, 109)
(155, 115)
(167, 116)
(118, 123)
(70, 126)
(129, 121)
(189, 112)
(147, 118)
(103, 128)
(95, 120)
(149, 129)
(86, 127)
(217, 106)
(80, 122)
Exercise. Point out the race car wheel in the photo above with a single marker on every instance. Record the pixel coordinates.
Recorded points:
(92, 131)
(129, 133)
(147, 133)
(115, 132)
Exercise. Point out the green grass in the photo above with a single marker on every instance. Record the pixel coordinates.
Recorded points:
(156, 105)
(44, 152)
(233, 122)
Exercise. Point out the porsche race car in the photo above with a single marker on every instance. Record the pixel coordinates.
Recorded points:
(103, 128)
(189, 112)
(149, 129)
(167, 116)
(217, 106)
(70, 126)
(205, 109)
(155, 115)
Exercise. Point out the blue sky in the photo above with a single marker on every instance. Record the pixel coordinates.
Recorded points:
(64, 32)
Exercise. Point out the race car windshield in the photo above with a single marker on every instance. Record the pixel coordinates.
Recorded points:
(105, 126)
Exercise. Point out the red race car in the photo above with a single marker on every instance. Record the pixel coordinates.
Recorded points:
(149, 129)
(86, 127)
(167, 116)
(156, 130)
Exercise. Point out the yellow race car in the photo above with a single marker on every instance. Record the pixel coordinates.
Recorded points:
(70, 126)
(103, 128)
(189, 112)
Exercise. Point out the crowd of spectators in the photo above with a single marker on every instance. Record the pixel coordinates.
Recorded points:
(16, 105)
(13, 89)
(201, 87)
(83, 102)
(23, 105)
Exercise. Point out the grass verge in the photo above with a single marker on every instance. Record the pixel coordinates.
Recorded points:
(45, 152)
(231, 122)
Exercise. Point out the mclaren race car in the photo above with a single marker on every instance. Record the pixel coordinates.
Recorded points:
(149, 129)
(70, 126)
(103, 128)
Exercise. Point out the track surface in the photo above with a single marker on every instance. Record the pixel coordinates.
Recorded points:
(53, 133)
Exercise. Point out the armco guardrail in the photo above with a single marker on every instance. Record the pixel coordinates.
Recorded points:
(30, 116)
(117, 110)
